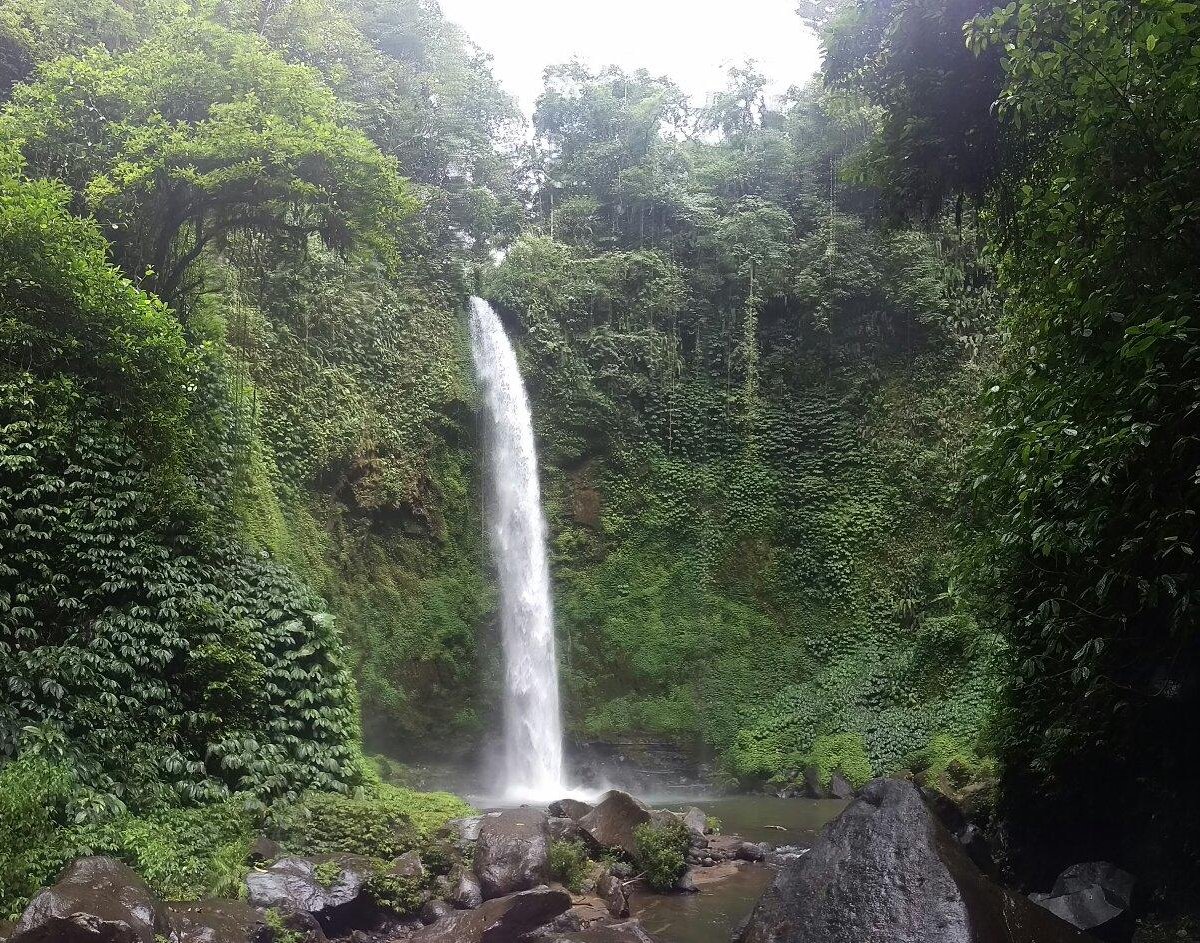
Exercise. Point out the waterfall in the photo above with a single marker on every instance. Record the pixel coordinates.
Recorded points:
(533, 755)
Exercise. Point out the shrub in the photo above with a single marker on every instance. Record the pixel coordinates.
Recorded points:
(570, 864)
(661, 853)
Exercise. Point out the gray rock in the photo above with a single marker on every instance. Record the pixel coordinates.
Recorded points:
(687, 883)
(464, 891)
(511, 852)
(1094, 896)
(408, 866)
(612, 822)
(887, 871)
(501, 920)
(751, 851)
(696, 821)
(293, 884)
(95, 900)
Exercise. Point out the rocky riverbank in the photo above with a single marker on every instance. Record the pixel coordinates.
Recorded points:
(899, 864)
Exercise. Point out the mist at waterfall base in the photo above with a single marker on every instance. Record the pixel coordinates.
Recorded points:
(531, 763)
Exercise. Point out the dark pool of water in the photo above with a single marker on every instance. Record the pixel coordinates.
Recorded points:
(712, 915)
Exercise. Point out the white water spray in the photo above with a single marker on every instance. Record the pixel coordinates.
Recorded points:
(533, 753)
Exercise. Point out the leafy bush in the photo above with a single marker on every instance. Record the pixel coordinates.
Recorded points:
(662, 852)
(570, 864)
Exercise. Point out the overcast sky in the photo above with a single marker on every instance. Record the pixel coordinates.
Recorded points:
(689, 40)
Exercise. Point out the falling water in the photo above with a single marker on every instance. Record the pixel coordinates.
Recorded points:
(517, 532)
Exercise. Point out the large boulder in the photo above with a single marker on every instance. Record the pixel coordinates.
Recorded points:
(612, 822)
(1095, 896)
(408, 867)
(511, 852)
(887, 871)
(95, 900)
(502, 920)
(611, 890)
(330, 887)
(217, 921)
(569, 809)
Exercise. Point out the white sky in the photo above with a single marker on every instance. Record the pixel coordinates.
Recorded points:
(689, 40)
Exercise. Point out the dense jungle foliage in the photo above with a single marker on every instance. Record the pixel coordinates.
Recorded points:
(752, 408)
(867, 417)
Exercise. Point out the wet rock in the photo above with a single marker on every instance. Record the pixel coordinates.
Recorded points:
(95, 900)
(610, 890)
(751, 851)
(696, 821)
(569, 809)
(511, 852)
(887, 871)
(464, 891)
(217, 921)
(1095, 896)
(839, 786)
(463, 833)
(263, 849)
(501, 920)
(434, 910)
(612, 822)
(687, 883)
(330, 887)
(408, 867)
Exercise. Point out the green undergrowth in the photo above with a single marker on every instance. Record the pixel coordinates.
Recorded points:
(187, 853)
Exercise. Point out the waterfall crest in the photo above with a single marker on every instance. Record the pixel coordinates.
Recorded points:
(533, 752)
